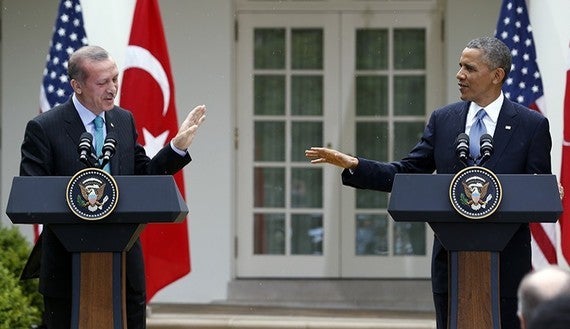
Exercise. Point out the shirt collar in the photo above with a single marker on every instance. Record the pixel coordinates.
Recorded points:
(492, 109)
(86, 116)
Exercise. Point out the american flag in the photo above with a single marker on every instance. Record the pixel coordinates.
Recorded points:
(68, 36)
(524, 86)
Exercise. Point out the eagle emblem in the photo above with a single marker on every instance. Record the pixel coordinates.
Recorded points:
(92, 194)
(477, 194)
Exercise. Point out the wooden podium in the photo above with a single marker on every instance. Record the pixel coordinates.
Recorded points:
(474, 244)
(98, 247)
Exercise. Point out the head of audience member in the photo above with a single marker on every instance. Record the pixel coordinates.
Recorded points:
(538, 287)
(552, 314)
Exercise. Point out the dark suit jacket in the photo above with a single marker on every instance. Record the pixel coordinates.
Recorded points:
(522, 145)
(50, 149)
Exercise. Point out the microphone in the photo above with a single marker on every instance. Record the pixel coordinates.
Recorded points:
(486, 148)
(462, 147)
(109, 148)
(84, 148)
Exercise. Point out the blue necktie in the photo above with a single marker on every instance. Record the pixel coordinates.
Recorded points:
(100, 139)
(477, 130)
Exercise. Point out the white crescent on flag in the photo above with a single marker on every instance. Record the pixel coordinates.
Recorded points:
(141, 58)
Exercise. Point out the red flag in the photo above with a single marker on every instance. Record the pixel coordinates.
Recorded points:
(565, 170)
(148, 91)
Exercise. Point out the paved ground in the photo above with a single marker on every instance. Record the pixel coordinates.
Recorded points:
(256, 317)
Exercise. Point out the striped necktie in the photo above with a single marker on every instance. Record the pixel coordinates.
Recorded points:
(100, 139)
(478, 129)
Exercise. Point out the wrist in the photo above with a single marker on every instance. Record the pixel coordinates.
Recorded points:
(353, 163)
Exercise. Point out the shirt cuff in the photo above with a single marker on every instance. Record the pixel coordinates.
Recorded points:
(177, 150)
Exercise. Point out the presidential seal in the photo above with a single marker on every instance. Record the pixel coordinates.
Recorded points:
(92, 194)
(475, 192)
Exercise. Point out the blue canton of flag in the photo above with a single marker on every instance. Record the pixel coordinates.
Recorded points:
(68, 36)
(524, 84)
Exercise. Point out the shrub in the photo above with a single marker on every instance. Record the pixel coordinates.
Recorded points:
(20, 303)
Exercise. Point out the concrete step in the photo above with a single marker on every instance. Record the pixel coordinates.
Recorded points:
(179, 316)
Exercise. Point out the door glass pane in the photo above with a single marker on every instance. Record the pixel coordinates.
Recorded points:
(372, 95)
(372, 140)
(371, 234)
(371, 49)
(307, 234)
(269, 233)
(409, 238)
(269, 48)
(269, 187)
(306, 187)
(269, 95)
(409, 95)
(407, 135)
(305, 135)
(307, 95)
(371, 143)
(307, 49)
(269, 139)
(369, 199)
(409, 49)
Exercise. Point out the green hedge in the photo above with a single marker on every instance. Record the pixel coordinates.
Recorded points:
(20, 303)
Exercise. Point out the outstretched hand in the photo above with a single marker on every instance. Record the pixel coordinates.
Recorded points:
(187, 130)
(325, 155)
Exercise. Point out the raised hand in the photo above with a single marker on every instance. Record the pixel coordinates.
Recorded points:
(188, 128)
(325, 155)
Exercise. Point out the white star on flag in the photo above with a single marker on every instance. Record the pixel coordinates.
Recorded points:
(153, 144)
(68, 36)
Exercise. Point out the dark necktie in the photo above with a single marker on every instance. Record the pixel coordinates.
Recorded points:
(100, 139)
(477, 130)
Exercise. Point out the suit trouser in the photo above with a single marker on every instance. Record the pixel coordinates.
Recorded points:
(509, 319)
(57, 314)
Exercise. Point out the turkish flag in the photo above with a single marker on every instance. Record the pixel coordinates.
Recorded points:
(148, 91)
(565, 170)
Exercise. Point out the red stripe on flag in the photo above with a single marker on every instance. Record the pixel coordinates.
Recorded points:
(565, 170)
(148, 91)
(544, 243)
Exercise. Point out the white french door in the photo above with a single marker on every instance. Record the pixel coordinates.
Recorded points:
(288, 210)
(357, 83)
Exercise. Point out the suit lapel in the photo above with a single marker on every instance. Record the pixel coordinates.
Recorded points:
(507, 123)
(111, 124)
(460, 122)
(74, 126)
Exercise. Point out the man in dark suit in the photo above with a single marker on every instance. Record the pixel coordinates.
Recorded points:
(50, 149)
(522, 145)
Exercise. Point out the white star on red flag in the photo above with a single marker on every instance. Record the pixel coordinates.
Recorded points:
(153, 144)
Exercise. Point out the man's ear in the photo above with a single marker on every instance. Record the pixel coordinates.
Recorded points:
(76, 86)
(499, 75)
